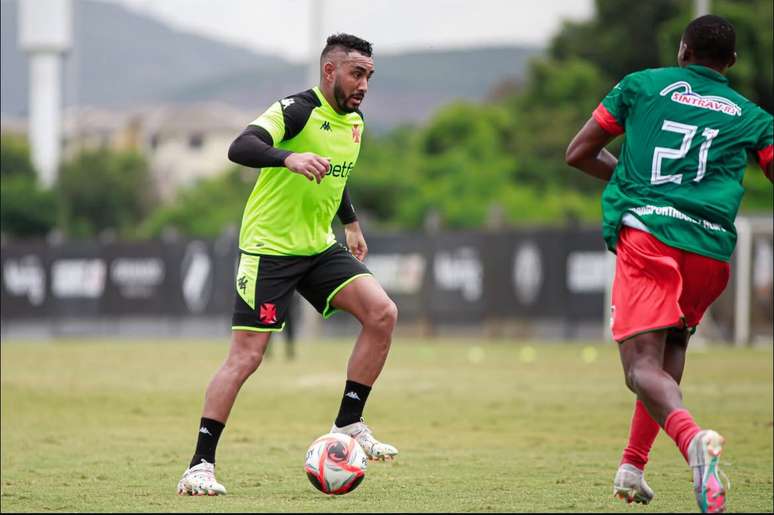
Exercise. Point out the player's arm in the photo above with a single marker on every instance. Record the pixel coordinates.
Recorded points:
(354, 235)
(254, 148)
(766, 155)
(587, 151)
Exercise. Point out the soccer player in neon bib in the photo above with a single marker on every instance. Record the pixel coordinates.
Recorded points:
(668, 214)
(306, 146)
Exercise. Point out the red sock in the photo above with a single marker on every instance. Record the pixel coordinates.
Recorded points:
(680, 426)
(642, 434)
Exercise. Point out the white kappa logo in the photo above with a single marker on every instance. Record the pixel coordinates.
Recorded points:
(352, 395)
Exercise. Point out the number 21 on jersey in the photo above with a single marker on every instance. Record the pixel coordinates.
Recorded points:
(661, 153)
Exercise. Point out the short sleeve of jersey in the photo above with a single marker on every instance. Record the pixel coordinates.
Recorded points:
(273, 120)
(612, 112)
(764, 147)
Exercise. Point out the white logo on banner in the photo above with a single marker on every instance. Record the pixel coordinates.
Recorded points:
(197, 276)
(25, 277)
(587, 272)
(398, 273)
(527, 273)
(460, 269)
(78, 278)
(137, 277)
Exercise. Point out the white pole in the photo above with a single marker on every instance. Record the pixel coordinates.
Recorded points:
(316, 14)
(45, 101)
(45, 34)
(744, 243)
(701, 7)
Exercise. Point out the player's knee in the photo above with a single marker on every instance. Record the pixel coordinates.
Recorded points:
(630, 377)
(384, 316)
(639, 373)
(247, 354)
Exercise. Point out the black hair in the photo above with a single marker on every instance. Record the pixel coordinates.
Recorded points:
(711, 38)
(348, 42)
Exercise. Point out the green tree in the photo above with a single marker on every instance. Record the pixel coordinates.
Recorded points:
(26, 209)
(623, 35)
(102, 190)
(206, 208)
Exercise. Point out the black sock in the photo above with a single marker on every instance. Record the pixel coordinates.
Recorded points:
(352, 403)
(209, 433)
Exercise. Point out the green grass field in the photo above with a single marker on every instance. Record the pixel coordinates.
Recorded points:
(499, 426)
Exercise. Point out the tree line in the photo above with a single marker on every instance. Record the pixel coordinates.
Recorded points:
(494, 164)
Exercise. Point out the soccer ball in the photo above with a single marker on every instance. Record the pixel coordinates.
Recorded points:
(335, 464)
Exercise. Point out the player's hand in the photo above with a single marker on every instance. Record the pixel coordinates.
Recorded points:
(310, 165)
(355, 241)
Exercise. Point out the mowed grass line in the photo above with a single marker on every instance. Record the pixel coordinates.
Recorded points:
(481, 426)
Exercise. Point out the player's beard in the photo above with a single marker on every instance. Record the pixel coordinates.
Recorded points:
(341, 98)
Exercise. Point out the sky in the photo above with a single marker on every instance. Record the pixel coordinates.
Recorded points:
(283, 28)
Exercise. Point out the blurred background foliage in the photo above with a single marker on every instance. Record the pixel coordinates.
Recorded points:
(492, 164)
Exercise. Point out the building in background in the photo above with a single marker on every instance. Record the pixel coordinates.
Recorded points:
(182, 143)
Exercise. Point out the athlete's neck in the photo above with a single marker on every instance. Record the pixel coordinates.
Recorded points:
(330, 98)
(712, 66)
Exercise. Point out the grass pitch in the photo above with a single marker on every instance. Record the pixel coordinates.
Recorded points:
(481, 426)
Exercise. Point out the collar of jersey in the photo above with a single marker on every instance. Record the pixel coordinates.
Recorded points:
(326, 106)
(707, 72)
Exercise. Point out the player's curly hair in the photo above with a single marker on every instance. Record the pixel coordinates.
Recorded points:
(711, 38)
(347, 42)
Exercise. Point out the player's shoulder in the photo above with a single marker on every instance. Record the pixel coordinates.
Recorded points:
(652, 76)
(305, 100)
(637, 81)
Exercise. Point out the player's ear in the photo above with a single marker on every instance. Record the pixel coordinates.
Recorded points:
(329, 68)
(682, 54)
(733, 60)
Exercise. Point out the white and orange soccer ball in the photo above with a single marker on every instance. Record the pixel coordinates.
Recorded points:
(335, 464)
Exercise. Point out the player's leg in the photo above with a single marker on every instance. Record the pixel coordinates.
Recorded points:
(643, 430)
(669, 280)
(704, 280)
(264, 286)
(645, 293)
(341, 282)
(369, 303)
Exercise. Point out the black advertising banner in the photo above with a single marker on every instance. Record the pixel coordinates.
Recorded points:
(401, 264)
(199, 278)
(587, 264)
(448, 278)
(525, 277)
(78, 279)
(25, 281)
(456, 287)
(138, 279)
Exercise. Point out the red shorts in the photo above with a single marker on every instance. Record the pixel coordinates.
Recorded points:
(658, 287)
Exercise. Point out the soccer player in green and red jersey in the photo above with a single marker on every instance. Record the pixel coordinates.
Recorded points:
(306, 145)
(668, 214)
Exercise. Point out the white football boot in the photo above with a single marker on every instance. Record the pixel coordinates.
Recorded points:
(200, 480)
(704, 457)
(374, 449)
(629, 485)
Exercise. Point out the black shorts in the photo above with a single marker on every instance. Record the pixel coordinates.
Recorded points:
(265, 284)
